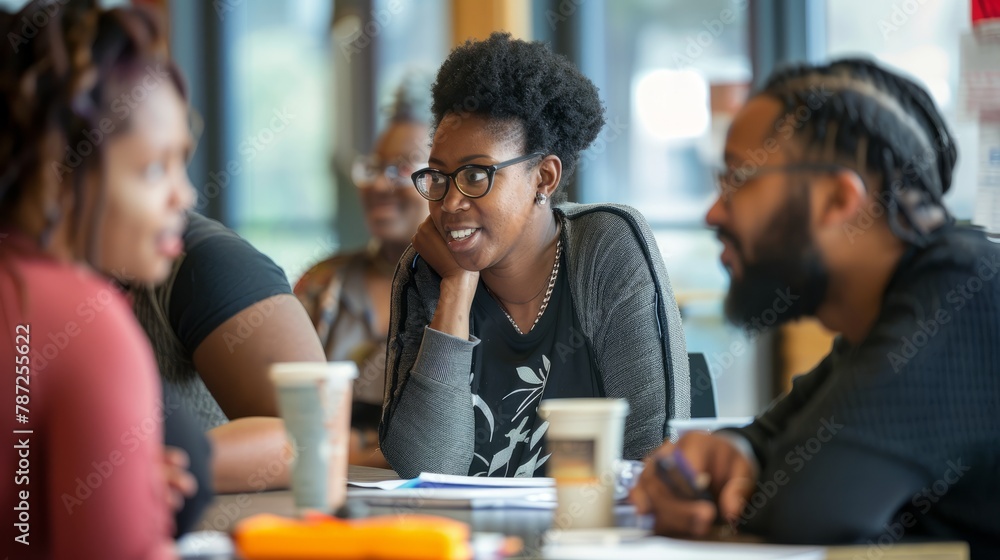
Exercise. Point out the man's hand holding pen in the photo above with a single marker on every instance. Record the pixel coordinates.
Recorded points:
(689, 485)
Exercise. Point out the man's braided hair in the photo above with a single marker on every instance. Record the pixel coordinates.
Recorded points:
(881, 124)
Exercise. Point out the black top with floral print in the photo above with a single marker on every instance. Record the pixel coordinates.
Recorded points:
(511, 373)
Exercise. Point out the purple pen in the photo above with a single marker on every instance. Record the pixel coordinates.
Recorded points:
(677, 474)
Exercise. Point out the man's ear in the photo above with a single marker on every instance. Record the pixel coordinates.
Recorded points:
(842, 199)
(549, 173)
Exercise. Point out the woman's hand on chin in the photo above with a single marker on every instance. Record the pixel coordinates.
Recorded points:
(458, 286)
(434, 249)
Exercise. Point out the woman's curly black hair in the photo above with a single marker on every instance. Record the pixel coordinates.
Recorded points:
(509, 80)
(879, 123)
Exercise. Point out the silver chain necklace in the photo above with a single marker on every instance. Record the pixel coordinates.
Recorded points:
(548, 292)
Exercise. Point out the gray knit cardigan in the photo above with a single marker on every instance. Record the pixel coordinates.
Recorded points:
(626, 307)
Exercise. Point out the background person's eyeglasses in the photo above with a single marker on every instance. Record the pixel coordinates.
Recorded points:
(367, 169)
(472, 180)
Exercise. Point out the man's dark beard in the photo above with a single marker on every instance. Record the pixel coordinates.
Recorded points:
(787, 279)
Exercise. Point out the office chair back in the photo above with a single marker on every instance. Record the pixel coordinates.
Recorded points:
(702, 387)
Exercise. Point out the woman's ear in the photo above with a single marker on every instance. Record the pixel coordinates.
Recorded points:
(549, 174)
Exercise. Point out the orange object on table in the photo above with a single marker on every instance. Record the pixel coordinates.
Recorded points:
(321, 537)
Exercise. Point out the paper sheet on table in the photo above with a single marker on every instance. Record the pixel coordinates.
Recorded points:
(435, 480)
(461, 492)
(382, 485)
(457, 498)
(660, 547)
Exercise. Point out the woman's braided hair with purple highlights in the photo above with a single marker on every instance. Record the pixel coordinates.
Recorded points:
(69, 61)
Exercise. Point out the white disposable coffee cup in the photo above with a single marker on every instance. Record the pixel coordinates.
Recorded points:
(584, 438)
(315, 402)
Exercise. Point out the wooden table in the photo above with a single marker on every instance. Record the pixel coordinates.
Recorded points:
(529, 525)
(227, 509)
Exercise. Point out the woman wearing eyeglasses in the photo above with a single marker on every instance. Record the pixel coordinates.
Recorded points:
(347, 295)
(505, 300)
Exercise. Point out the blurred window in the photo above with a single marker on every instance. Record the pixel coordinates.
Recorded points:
(674, 74)
(294, 87)
(679, 71)
(279, 143)
(922, 39)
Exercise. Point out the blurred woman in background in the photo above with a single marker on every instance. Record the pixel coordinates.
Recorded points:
(347, 295)
(94, 141)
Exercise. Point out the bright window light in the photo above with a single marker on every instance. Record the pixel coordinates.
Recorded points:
(672, 104)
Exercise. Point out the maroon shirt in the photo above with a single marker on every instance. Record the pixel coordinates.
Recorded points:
(87, 480)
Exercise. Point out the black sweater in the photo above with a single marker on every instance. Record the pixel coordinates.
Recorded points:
(897, 438)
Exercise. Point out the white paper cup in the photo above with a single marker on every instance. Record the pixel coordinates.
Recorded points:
(585, 439)
(315, 403)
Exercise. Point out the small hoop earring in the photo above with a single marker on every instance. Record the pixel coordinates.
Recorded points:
(52, 217)
(541, 199)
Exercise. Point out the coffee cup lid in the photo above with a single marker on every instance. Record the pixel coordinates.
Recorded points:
(308, 372)
(584, 406)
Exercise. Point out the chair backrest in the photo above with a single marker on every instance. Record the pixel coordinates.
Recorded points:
(702, 387)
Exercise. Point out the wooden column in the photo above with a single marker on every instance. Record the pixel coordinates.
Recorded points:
(801, 346)
(476, 19)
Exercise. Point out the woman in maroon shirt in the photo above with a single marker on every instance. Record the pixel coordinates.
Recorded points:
(93, 147)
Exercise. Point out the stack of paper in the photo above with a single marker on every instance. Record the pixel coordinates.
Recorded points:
(450, 491)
